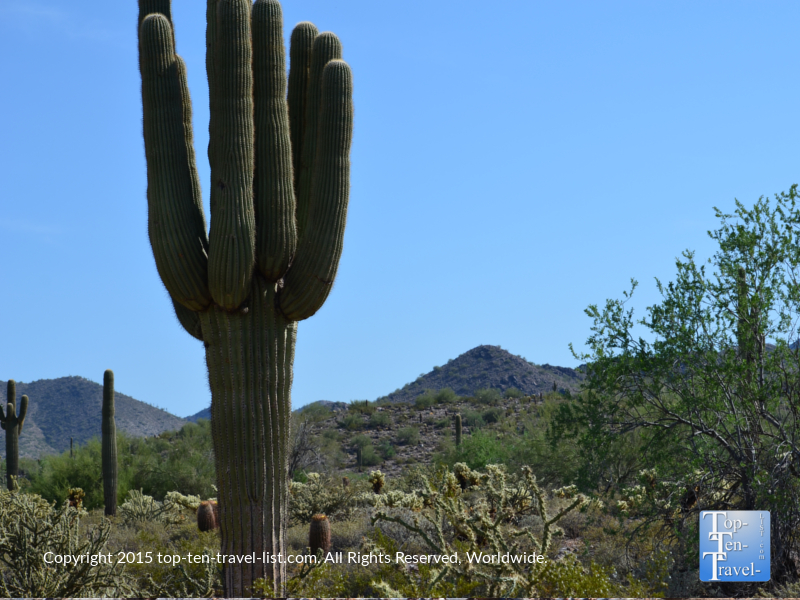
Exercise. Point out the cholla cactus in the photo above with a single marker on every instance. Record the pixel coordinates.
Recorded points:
(32, 527)
(466, 477)
(321, 496)
(140, 507)
(378, 480)
(483, 521)
(75, 498)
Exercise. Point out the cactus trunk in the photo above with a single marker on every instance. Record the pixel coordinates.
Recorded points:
(109, 430)
(458, 430)
(249, 357)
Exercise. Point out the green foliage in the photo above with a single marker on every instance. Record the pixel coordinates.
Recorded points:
(488, 396)
(317, 412)
(386, 449)
(352, 422)
(493, 415)
(362, 407)
(360, 441)
(425, 401)
(713, 407)
(513, 392)
(140, 508)
(370, 458)
(472, 419)
(379, 419)
(446, 396)
(408, 436)
(180, 460)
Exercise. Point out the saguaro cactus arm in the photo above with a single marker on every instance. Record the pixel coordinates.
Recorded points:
(23, 410)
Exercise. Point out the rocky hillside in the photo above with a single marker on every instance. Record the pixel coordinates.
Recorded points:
(70, 407)
(490, 367)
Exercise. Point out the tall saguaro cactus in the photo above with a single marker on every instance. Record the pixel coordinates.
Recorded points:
(279, 191)
(109, 429)
(12, 423)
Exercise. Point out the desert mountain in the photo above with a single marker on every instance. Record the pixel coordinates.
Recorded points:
(70, 407)
(490, 367)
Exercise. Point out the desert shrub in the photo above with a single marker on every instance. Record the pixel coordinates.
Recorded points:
(386, 449)
(370, 458)
(479, 449)
(446, 396)
(316, 412)
(513, 392)
(352, 422)
(424, 401)
(408, 436)
(379, 419)
(363, 407)
(472, 418)
(493, 415)
(488, 396)
(331, 435)
(360, 441)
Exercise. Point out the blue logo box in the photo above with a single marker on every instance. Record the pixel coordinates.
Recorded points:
(734, 545)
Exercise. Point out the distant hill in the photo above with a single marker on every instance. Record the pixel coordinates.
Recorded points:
(203, 414)
(490, 367)
(70, 407)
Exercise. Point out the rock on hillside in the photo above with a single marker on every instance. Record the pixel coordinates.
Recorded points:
(71, 407)
(490, 367)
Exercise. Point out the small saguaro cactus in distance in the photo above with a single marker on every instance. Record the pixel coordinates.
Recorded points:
(109, 429)
(458, 430)
(279, 157)
(12, 423)
(319, 534)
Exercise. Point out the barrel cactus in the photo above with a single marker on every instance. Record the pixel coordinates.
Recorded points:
(279, 192)
(319, 534)
(12, 422)
(207, 516)
(109, 430)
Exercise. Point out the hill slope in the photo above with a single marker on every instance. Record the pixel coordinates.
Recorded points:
(70, 407)
(490, 367)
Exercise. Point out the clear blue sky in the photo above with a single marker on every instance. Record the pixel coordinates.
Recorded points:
(512, 163)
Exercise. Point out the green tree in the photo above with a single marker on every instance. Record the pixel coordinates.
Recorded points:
(716, 406)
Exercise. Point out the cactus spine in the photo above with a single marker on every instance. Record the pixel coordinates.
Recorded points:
(109, 429)
(279, 192)
(458, 430)
(12, 423)
(319, 534)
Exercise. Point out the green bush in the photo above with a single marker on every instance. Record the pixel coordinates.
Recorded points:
(424, 401)
(386, 449)
(493, 415)
(379, 419)
(370, 458)
(360, 441)
(513, 392)
(352, 422)
(363, 407)
(488, 396)
(317, 412)
(472, 418)
(446, 396)
(408, 436)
